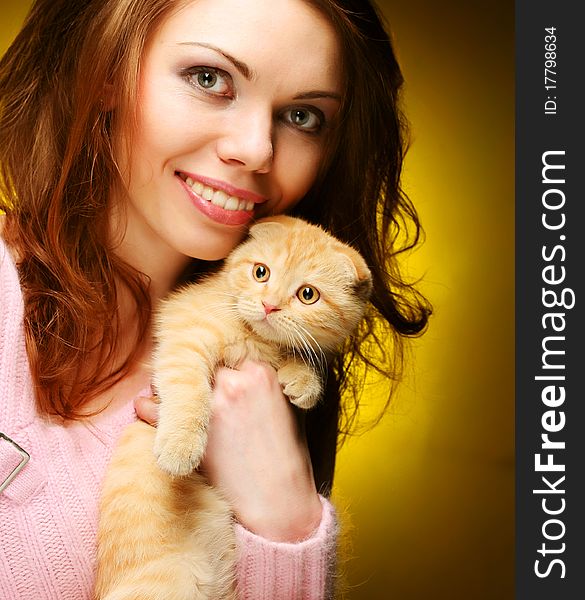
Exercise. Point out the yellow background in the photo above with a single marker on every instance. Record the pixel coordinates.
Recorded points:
(431, 488)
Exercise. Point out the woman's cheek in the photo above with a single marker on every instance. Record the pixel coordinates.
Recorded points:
(295, 183)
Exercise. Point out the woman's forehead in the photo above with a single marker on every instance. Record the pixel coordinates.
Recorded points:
(263, 35)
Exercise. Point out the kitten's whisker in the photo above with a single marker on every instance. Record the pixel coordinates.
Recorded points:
(220, 312)
(308, 350)
(234, 297)
(316, 343)
(224, 304)
(290, 342)
(304, 349)
(323, 357)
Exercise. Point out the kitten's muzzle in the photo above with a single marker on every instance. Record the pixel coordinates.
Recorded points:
(269, 308)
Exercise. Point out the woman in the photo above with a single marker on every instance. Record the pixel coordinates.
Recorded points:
(106, 109)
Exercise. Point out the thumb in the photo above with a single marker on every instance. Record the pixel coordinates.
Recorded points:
(146, 408)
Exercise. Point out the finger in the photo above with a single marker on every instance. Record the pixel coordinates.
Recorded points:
(254, 366)
(147, 409)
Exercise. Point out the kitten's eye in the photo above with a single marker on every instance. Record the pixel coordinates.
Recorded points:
(261, 272)
(308, 294)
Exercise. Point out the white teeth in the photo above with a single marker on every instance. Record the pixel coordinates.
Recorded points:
(218, 197)
(232, 203)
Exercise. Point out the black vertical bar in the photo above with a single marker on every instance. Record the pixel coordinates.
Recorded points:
(550, 268)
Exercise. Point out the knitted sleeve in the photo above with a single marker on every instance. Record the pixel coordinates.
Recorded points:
(275, 570)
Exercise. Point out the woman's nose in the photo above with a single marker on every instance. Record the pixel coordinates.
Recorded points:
(248, 142)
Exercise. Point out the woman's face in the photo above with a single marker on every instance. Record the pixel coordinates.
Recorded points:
(236, 99)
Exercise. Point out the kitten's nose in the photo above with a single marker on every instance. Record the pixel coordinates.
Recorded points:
(268, 308)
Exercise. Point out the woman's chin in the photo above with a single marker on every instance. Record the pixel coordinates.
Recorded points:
(211, 244)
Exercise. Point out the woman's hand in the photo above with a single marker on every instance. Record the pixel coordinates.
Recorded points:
(256, 454)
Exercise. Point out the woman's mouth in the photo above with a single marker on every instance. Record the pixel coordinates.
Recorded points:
(217, 197)
(219, 205)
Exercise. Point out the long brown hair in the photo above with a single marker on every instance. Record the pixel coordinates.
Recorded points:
(57, 169)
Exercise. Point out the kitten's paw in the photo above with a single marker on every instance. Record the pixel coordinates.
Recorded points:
(302, 398)
(301, 384)
(179, 452)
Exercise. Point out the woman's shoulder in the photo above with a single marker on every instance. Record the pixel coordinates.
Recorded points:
(3, 245)
(17, 405)
(2, 224)
(7, 254)
(4, 253)
(10, 293)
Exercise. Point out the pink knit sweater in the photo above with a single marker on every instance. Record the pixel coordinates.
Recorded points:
(48, 512)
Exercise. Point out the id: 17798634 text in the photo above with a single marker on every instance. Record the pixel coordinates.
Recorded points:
(550, 70)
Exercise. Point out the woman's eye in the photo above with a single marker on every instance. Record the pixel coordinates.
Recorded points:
(306, 119)
(210, 80)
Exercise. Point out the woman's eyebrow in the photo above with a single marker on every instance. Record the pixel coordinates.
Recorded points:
(243, 68)
(250, 74)
(318, 94)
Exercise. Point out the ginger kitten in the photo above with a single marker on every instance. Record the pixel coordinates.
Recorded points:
(289, 295)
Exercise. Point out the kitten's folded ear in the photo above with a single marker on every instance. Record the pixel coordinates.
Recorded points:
(363, 288)
(363, 276)
(271, 226)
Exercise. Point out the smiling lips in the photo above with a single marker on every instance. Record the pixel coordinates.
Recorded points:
(220, 201)
(218, 197)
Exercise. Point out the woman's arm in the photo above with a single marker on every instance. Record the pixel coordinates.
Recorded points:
(258, 457)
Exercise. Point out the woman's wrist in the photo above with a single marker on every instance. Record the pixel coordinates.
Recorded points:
(286, 518)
